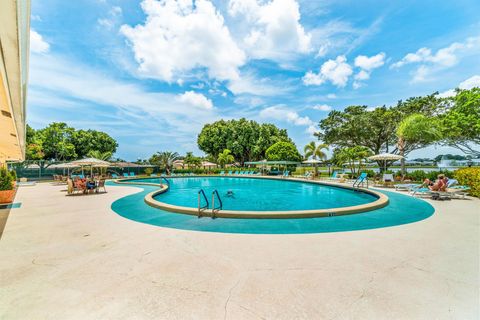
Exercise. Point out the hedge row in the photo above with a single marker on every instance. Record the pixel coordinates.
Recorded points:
(469, 177)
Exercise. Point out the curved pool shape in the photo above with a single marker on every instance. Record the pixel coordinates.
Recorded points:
(401, 209)
(261, 194)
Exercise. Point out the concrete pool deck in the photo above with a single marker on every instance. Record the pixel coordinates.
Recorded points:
(74, 258)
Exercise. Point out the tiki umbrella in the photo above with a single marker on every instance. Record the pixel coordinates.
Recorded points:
(92, 162)
(385, 157)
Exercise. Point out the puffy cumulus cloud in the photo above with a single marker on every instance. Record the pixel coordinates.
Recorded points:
(335, 71)
(367, 65)
(196, 100)
(273, 29)
(37, 44)
(370, 63)
(179, 36)
(322, 107)
(441, 59)
(282, 113)
(472, 82)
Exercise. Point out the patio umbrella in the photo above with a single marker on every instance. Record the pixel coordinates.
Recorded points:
(385, 157)
(64, 166)
(92, 162)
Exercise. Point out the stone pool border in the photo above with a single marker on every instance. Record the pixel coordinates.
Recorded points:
(381, 202)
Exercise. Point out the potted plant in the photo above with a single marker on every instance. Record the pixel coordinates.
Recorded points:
(7, 191)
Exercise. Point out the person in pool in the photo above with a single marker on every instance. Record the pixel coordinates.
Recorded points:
(230, 194)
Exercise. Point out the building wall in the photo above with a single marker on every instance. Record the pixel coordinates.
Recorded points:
(14, 55)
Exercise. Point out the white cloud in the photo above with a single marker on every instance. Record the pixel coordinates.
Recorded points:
(114, 15)
(273, 28)
(442, 59)
(336, 71)
(367, 65)
(322, 107)
(181, 116)
(282, 113)
(370, 63)
(196, 100)
(249, 83)
(179, 36)
(470, 83)
(37, 44)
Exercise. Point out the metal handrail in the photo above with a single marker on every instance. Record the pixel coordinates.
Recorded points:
(166, 180)
(200, 202)
(215, 192)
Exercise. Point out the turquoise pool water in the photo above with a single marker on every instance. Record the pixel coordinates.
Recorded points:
(260, 194)
(402, 209)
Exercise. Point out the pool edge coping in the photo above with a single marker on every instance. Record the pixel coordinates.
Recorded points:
(381, 202)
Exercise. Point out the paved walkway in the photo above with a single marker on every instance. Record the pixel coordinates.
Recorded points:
(73, 258)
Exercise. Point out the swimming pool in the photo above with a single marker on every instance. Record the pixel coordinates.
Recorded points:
(401, 209)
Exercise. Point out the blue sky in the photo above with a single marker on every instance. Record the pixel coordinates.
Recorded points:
(152, 73)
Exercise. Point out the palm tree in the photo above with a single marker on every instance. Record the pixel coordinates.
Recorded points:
(225, 158)
(415, 130)
(164, 159)
(100, 155)
(315, 151)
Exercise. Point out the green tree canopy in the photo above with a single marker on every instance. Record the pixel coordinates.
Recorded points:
(351, 156)
(164, 159)
(225, 158)
(376, 129)
(191, 160)
(283, 151)
(60, 142)
(418, 131)
(460, 123)
(246, 139)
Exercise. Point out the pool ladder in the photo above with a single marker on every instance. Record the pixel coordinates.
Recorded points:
(202, 195)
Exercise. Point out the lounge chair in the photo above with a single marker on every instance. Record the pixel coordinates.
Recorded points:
(132, 174)
(101, 185)
(230, 172)
(307, 175)
(406, 186)
(285, 174)
(361, 180)
(153, 175)
(114, 176)
(222, 173)
(125, 175)
(334, 176)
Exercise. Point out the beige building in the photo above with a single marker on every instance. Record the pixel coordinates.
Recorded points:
(14, 54)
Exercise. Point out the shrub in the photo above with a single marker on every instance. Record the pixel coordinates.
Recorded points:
(13, 173)
(6, 180)
(469, 177)
(148, 171)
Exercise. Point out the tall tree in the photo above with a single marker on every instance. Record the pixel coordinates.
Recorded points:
(352, 156)
(246, 139)
(460, 123)
(90, 140)
(57, 141)
(417, 131)
(100, 155)
(283, 151)
(315, 151)
(164, 159)
(225, 158)
(191, 160)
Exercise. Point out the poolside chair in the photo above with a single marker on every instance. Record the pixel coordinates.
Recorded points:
(236, 172)
(285, 174)
(361, 180)
(222, 173)
(406, 186)
(101, 185)
(132, 174)
(125, 175)
(334, 176)
(230, 172)
(153, 175)
(307, 175)
(114, 176)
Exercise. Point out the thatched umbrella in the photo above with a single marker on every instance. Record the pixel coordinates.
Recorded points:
(92, 162)
(385, 157)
